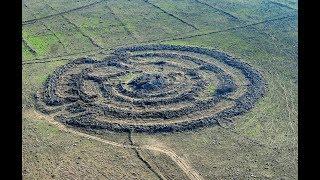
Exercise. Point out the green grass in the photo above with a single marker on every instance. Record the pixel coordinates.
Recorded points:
(43, 44)
(208, 91)
(211, 88)
(127, 78)
(26, 54)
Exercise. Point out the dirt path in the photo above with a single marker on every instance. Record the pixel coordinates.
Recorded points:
(182, 163)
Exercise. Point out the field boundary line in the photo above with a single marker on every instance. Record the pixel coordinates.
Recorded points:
(166, 39)
(218, 10)
(31, 21)
(121, 22)
(49, 29)
(93, 42)
(32, 51)
(170, 14)
(233, 28)
(55, 35)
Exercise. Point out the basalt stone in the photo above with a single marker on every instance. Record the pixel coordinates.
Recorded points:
(152, 97)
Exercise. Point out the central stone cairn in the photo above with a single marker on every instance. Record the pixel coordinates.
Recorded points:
(149, 82)
(151, 88)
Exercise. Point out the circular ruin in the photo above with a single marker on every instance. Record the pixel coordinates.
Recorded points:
(151, 88)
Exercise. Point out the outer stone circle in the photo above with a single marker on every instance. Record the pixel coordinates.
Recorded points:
(151, 88)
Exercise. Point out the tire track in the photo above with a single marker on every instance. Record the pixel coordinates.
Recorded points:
(288, 109)
(287, 101)
(40, 62)
(31, 21)
(64, 57)
(170, 39)
(170, 14)
(184, 165)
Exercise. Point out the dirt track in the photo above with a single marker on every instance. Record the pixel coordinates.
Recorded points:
(182, 163)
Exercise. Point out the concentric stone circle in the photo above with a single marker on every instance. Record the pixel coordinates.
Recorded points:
(151, 88)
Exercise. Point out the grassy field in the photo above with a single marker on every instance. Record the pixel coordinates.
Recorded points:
(262, 144)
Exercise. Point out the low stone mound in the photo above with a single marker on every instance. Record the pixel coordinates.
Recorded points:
(149, 82)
